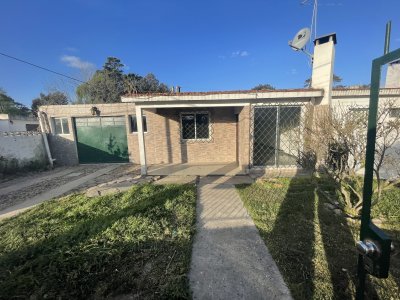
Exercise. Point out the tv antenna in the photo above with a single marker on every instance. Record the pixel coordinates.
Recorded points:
(304, 35)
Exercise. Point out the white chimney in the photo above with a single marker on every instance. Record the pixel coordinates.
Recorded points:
(393, 75)
(323, 62)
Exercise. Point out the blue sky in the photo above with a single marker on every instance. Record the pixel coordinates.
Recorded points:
(199, 45)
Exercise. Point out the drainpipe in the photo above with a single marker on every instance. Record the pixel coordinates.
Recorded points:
(45, 141)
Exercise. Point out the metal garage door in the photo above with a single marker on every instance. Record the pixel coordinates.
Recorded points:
(101, 139)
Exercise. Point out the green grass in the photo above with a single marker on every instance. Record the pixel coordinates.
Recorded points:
(135, 243)
(314, 248)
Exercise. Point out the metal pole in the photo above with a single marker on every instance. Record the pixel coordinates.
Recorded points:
(369, 161)
(387, 37)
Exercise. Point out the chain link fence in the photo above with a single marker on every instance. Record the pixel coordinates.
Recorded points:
(276, 133)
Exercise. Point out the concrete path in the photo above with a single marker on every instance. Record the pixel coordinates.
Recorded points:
(56, 192)
(229, 258)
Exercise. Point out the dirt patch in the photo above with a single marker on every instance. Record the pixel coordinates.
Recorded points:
(33, 190)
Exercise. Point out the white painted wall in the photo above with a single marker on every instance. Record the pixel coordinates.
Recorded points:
(343, 100)
(322, 70)
(12, 124)
(23, 147)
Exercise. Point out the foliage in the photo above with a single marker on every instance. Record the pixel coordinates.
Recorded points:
(136, 243)
(110, 83)
(9, 106)
(307, 159)
(52, 98)
(11, 165)
(264, 86)
(338, 137)
(336, 81)
(312, 246)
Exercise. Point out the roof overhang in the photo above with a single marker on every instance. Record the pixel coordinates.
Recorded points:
(362, 93)
(221, 99)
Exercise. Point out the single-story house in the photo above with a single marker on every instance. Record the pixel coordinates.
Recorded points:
(243, 129)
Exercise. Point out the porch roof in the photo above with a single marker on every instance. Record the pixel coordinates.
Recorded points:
(223, 98)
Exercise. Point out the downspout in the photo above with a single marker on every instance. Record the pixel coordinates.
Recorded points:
(45, 141)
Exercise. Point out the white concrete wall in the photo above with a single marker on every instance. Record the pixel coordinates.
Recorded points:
(322, 70)
(26, 148)
(391, 167)
(15, 125)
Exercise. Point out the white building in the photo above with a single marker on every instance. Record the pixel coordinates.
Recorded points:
(10, 123)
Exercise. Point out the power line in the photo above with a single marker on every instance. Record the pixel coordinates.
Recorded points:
(43, 68)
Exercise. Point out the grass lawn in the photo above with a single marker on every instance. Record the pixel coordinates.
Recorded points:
(136, 243)
(313, 247)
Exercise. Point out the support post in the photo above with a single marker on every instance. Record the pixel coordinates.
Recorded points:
(142, 152)
(45, 141)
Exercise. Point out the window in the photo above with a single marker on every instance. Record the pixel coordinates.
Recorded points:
(394, 112)
(359, 112)
(195, 126)
(134, 127)
(61, 126)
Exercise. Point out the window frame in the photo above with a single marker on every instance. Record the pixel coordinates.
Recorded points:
(144, 121)
(394, 112)
(195, 113)
(62, 127)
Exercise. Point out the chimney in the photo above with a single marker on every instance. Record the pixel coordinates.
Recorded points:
(323, 62)
(393, 75)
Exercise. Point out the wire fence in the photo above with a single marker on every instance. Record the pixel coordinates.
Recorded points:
(276, 133)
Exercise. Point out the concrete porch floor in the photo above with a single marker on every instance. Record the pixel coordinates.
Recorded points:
(186, 169)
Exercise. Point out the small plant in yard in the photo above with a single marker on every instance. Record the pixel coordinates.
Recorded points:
(136, 243)
(314, 247)
(338, 138)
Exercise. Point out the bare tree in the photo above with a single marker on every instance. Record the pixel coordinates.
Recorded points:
(337, 137)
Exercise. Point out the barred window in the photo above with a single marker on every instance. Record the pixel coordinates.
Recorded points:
(195, 126)
(61, 126)
(134, 127)
(394, 112)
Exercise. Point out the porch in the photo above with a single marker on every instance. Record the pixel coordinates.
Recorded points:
(188, 169)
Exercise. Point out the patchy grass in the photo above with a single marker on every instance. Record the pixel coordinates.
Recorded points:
(136, 243)
(313, 247)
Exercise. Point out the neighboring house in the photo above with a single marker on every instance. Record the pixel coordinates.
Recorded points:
(11, 123)
(253, 129)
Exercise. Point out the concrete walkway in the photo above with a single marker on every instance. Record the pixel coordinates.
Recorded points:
(229, 259)
(56, 192)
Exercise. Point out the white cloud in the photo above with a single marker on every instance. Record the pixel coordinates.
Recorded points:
(76, 62)
(293, 71)
(240, 53)
(71, 49)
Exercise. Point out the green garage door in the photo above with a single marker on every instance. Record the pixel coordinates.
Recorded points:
(101, 140)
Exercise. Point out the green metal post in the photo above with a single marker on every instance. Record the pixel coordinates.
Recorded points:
(387, 37)
(370, 153)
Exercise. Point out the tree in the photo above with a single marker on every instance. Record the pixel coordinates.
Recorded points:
(264, 86)
(336, 81)
(9, 106)
(338, 137)
(110, 83)
(53, 98)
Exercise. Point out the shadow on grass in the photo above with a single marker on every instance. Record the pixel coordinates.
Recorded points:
(143, 250)
(313, 247)
(294, 231)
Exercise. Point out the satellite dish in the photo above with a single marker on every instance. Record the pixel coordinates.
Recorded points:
(300, 39)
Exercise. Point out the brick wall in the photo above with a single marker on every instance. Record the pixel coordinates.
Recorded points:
(244, 137)
(162, 140)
